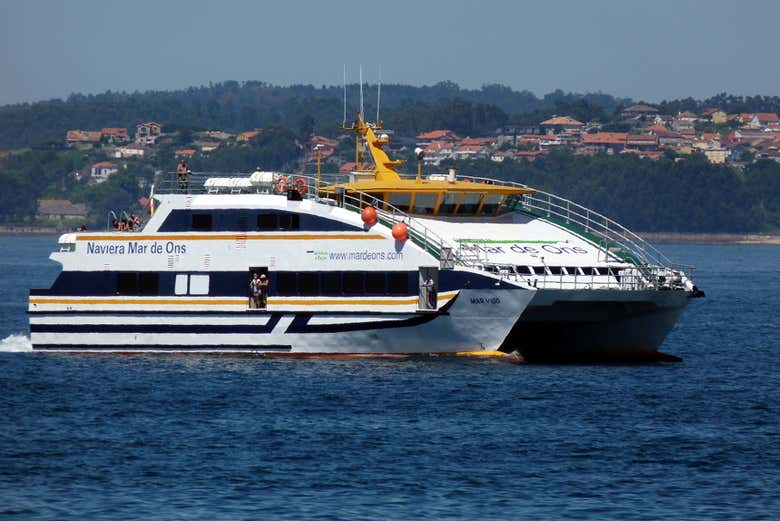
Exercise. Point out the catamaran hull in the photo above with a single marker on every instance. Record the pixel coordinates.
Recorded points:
(561, 325)
(474, 321)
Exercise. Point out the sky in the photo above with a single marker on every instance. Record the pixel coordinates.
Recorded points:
(646, 50)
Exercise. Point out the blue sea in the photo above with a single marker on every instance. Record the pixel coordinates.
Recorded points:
(106, 437)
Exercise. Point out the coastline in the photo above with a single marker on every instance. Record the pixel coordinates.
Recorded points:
(653, 237)
(710, 238)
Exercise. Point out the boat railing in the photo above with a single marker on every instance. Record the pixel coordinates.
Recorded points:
(622, 278)
(606, 233)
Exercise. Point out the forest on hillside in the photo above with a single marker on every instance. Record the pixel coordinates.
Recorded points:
(238, 106)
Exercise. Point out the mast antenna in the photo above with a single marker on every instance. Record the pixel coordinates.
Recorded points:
(344, 85)
(378, 94)
(361, 91)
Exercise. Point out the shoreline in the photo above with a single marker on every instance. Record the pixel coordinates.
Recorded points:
(710, 238)
(652, 237)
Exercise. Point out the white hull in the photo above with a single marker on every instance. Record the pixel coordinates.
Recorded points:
(475, 321)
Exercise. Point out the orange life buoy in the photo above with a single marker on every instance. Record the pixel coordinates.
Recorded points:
(300, 185)
(282, 184)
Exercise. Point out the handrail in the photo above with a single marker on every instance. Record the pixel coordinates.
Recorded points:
(551, 206)
(618, 240)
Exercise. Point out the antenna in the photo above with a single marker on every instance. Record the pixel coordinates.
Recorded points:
(344, 84)
(378, 94)
(361, 91)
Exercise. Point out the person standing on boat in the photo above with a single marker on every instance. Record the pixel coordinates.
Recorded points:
(254, 289)
(263, 291)
(429, 292)
(183, 173)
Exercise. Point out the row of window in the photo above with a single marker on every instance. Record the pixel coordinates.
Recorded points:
(239, 220)
(283, 283)
(334, 283)
(447, 203)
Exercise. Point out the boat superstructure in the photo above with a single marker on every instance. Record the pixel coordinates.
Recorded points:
(437, 264)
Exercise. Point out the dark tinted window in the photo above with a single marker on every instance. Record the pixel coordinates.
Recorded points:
(285, 283)
(397, 283)
(125, 284)
(331, 283)
(353, 282)
(266, 221)
(148, 283)
(308, 283)
(201, 221)
(375, 282)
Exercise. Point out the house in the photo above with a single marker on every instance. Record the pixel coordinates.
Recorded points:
(74, 137)
(643, 142)
(249, 135)
(185, 153)
(558, 124)
(764, 120)
(715, 116)
(147, 133)
(59, 209)
(206, 146)
(639, 113)
(131, 150)
(100, 171)
(426, 138)
(114, 134)
(609, 142)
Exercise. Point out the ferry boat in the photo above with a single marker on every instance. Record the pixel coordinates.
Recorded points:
(365, 264)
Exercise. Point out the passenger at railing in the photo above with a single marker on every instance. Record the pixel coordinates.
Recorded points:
(183, 174)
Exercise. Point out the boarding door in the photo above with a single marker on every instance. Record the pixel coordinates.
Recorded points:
(257, 287)
(429, 284)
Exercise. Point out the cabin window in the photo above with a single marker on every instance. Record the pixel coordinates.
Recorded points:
(285, 283)
(199, 284)
(180, 285)
(353, 282)
(278, 221)
(148, 283)
(126, 284)
(399, 200)
(448, 203)
(375, 282)
(425, 203)
(201, 221)
(397, 283)
(490, 206)
(308, 283)
(469, 204)
(331, 283)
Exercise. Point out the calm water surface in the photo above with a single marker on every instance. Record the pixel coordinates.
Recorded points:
(217, 437)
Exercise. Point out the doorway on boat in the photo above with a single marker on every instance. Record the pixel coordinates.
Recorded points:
(429, 282)
(257, 288)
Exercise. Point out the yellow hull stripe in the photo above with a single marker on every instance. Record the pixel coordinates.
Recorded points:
(228, 237)
(235, 301)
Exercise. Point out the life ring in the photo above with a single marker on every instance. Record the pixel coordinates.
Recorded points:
(282, 184)
(300, 185)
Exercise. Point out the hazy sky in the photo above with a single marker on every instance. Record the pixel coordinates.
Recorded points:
(648, 50)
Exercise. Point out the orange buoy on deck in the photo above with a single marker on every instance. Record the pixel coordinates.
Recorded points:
(400, 231)
(368, 214)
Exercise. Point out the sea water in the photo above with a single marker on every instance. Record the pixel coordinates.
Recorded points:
(244, 437)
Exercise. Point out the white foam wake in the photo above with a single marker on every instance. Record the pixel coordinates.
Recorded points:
(15, 344)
